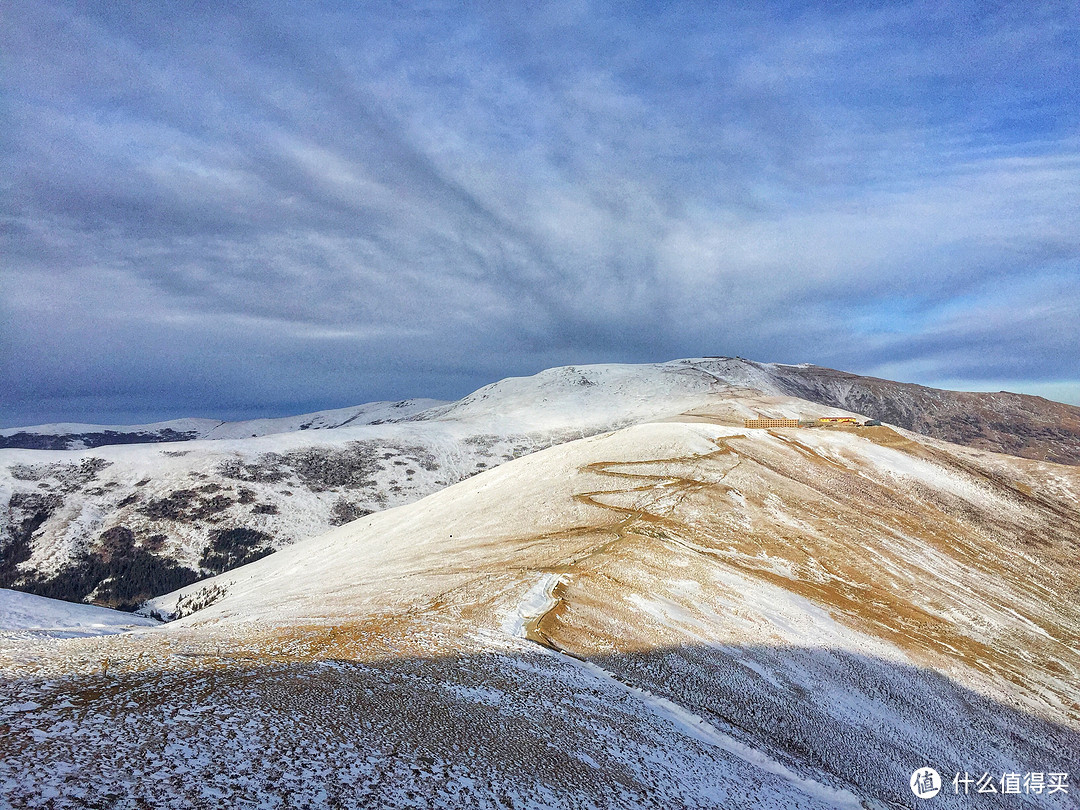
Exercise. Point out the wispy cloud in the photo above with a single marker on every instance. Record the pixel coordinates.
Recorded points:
(380, 201)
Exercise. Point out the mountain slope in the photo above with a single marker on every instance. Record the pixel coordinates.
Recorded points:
(1017, 424)
(674, 614)
(176, 512)
(799, 510)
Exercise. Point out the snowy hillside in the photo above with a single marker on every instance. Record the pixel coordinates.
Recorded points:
(680, 613)
(177, 512)
(1027, 426)
(23, 614)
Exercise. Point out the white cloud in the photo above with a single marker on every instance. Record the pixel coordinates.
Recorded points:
(847, 187)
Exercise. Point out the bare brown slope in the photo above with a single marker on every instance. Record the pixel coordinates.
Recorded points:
(1017, 424)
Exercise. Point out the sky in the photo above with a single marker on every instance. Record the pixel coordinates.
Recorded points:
(256, 209)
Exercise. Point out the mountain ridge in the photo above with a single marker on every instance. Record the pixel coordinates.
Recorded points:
(1019, 424)
(80, 436)
(178, 512)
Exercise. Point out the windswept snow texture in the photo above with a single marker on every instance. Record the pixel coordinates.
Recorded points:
(679, 613)
(24, 614)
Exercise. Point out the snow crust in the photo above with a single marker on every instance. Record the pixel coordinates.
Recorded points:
(537, 601)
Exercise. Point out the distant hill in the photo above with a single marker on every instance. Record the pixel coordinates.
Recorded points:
(75, 436)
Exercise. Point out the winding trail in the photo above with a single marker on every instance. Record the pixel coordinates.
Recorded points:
(547, 594)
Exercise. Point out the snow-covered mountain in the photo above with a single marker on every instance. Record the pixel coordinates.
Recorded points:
(678, 613)
(117, 524)
(1018, 424)
(74, 436)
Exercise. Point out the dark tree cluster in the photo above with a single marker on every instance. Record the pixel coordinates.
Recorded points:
(229, 548)
(27, 511)
(69, 477)
(188, 505)
(344, 511)
(117, 572)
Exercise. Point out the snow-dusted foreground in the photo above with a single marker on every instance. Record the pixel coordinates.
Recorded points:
(676, 614)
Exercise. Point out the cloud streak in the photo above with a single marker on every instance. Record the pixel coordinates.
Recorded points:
(288, 205)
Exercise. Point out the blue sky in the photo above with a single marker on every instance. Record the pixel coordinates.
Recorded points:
(257, 209)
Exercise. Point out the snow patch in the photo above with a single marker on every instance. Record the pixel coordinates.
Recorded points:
(539, 599)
